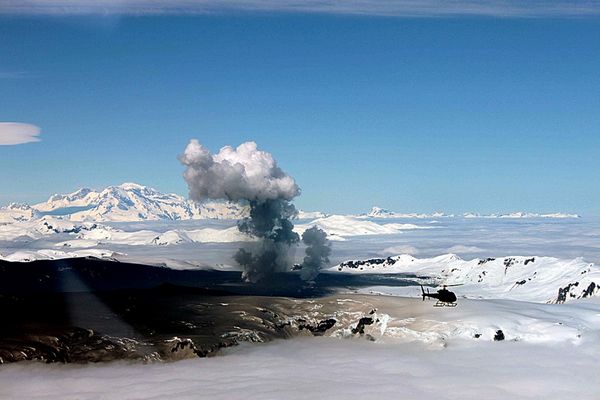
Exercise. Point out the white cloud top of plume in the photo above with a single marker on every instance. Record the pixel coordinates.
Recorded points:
(242, 173)
(392, 8)
(12, 133)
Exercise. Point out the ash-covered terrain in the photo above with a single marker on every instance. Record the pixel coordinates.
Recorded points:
(87, 310)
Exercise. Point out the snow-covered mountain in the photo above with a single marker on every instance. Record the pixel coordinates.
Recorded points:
(80, 198)
(134, 202)
(538, 279)
(130, 202)
(16, 212)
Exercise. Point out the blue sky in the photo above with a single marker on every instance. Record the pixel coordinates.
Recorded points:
(461, 113)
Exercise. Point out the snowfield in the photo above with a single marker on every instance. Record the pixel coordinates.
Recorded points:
(16, 212)
(56, 233)
(538, 279)
(338, 227)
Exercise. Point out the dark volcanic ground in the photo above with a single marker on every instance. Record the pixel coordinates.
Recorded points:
(87, 310)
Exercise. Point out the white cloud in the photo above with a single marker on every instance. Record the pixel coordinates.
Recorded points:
(12, 133)
(397, 8)
(459, 248)
(241, 173)
(401, 249)
(336, 369)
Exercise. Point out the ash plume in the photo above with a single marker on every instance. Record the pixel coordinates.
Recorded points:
(269, 221)
(318, 249)
(247, 174)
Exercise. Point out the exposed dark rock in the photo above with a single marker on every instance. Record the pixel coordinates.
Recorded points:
(529, 260)
(522, 282)
(360, 326)
(477, 335)
(76, 345)
(563, 292)
(499, 336)
(361, 263)
(481, 262)
(179, 349)
(319, 329)
(508, 262)
(589, 291)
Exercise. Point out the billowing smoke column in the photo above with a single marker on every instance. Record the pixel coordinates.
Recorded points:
(270, 222)
(250, 175)
(318, 249)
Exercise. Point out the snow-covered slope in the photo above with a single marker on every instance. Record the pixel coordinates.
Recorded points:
(33, 255)
(80, 198)
(104, 236)
(539, 279)
(16, 212)
(133, 202)
(45, 226)
(340, 226)
(130, 202)
(57, 234)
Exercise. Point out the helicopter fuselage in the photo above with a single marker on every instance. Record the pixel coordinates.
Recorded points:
(444, 296)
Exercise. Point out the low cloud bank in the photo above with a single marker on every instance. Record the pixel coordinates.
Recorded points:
(506, 370)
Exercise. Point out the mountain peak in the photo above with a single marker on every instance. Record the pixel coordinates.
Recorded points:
(131, 185)
(378, 211)
(131, 201)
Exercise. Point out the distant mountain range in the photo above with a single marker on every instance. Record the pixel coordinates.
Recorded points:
(130, 202)
(126, 202)
(377, 212)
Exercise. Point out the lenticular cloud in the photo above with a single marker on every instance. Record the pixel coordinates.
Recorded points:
(12, 133)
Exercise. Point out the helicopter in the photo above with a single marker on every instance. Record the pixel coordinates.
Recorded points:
(445, 298)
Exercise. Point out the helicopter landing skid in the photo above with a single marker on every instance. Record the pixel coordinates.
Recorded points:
(444, 304)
